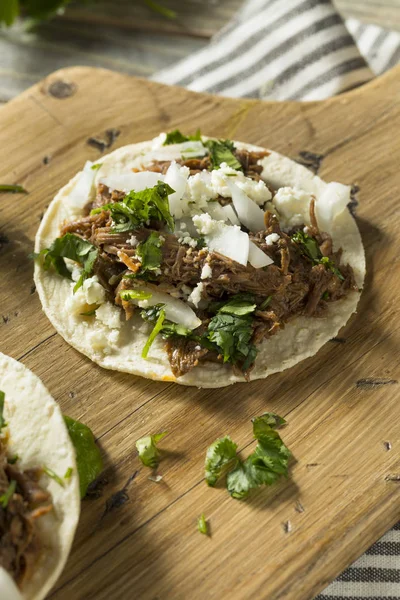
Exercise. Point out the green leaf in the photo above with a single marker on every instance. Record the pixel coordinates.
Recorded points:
(73, 247)
(149, 454)
(238, 482)
(156, 330)
(9, 11)
(202, 525)
(265, 422)
(127, 295)
(96, 167)
(221, 151)
(232, 335)
(6, 497)
(162, 10)
(150, 252)
(12, 459)
(309, 247)
(88, 455)
(176, 137)
(264, 466)
(50, 473)
(14, 189)
(220, 455)
(2, 400)
(241, 304)
(68, 473)
(138, 208)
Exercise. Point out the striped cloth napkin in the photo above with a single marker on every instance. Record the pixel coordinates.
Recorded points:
(301, 50)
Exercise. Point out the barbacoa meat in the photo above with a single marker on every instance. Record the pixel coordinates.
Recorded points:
(20, 544)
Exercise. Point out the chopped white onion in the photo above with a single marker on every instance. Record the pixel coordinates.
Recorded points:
(250, 215)
(230, 214)
(176, 151)
(258, 258)
(331, 203)
(176, 178)
(228, 240)
(126, 182)
(80, 193)
(175, 310)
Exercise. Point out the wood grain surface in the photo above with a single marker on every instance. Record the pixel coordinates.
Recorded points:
(138, 538)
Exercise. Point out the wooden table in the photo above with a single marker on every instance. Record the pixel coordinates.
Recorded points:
(125, 36)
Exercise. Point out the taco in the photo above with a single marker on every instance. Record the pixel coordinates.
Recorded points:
(197, 260)
(39, 486)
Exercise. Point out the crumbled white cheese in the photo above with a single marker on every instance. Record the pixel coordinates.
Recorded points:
(271, 238)
(132, 241)
(110, 315)
(198, 192)
(185, 238)
(256, 190)
(293, 205)
(76, 303)
(158, 141)
(93, 290)
(206, 271)
(205, 225)
(97, 339)
(195, 296)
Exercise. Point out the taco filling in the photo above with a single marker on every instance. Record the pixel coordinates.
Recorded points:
(196, 240)
(22, 503)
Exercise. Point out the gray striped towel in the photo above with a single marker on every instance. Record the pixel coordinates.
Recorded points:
(301, 50)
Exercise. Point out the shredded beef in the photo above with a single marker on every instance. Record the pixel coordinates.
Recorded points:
(20, 544)
(293, 284)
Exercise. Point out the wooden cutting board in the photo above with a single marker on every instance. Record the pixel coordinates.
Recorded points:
(138, 538)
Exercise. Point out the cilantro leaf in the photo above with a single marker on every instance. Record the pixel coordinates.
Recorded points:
(241, 304)
(176, 137)
(152, 313)
(88, 456)
(2, 400)
(221, 151)
(202, 525)
(150, 252)
(264, 466)
(309, 247)
(14, 189)
(149, 454)
(232, 335)
(73, 247)
(220, 455)
(127, 295)
(138, 208)
(8, 494)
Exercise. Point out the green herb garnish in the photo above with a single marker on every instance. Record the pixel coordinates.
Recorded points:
(264, 466)
(265, 303)
(73, 247)
(2, 400)
(53, 475)
(220, 455)
(231, 330)
(13, 189)
(202, 525)
(221, 151)
(149, 454)
(176, 137)
(88, 456)
(127, 295)
(138, 208)
(162, 10)
(6, 497)
(156, 330)
(150, 253)
(309, 247)
(68, 473)
(96, 167)
(12, 459)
